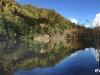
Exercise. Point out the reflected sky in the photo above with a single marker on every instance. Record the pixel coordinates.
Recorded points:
(82, 62)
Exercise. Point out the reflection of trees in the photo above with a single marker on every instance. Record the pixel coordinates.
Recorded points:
(29, 55)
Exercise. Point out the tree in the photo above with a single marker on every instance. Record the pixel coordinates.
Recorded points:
(2, 29)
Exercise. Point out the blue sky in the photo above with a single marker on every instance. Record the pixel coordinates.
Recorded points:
(74, 10)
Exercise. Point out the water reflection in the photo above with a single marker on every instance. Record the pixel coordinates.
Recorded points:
(79, 63)
(55, 57)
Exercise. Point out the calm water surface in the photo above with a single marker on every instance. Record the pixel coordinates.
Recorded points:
(65, 57)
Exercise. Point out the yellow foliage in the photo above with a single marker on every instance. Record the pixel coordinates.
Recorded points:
(42, 51)
(42, 25)
(16, 17)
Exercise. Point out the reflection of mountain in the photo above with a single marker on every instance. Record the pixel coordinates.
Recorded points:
(15, 55)
(78, 63)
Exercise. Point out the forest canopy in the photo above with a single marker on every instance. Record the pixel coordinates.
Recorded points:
(20, 21)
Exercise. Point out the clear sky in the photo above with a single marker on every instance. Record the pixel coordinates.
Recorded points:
(73, 10)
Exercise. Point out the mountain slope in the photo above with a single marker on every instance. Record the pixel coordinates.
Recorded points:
(27, 20)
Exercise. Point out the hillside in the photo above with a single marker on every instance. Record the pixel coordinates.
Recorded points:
(19, 21)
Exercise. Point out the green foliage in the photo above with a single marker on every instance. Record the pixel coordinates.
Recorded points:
(22, 20)
(2, 28)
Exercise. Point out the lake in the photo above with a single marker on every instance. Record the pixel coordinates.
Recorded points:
(54, 57)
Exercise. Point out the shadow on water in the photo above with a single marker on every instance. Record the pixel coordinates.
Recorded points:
(54, 57)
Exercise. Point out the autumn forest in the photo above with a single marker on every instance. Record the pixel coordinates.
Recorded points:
(28, 22)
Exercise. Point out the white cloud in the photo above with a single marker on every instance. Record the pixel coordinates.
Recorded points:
(96, 21)
(86, 49)
(87, 26)
(73, 20)
(73, 54)
(96, 54)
